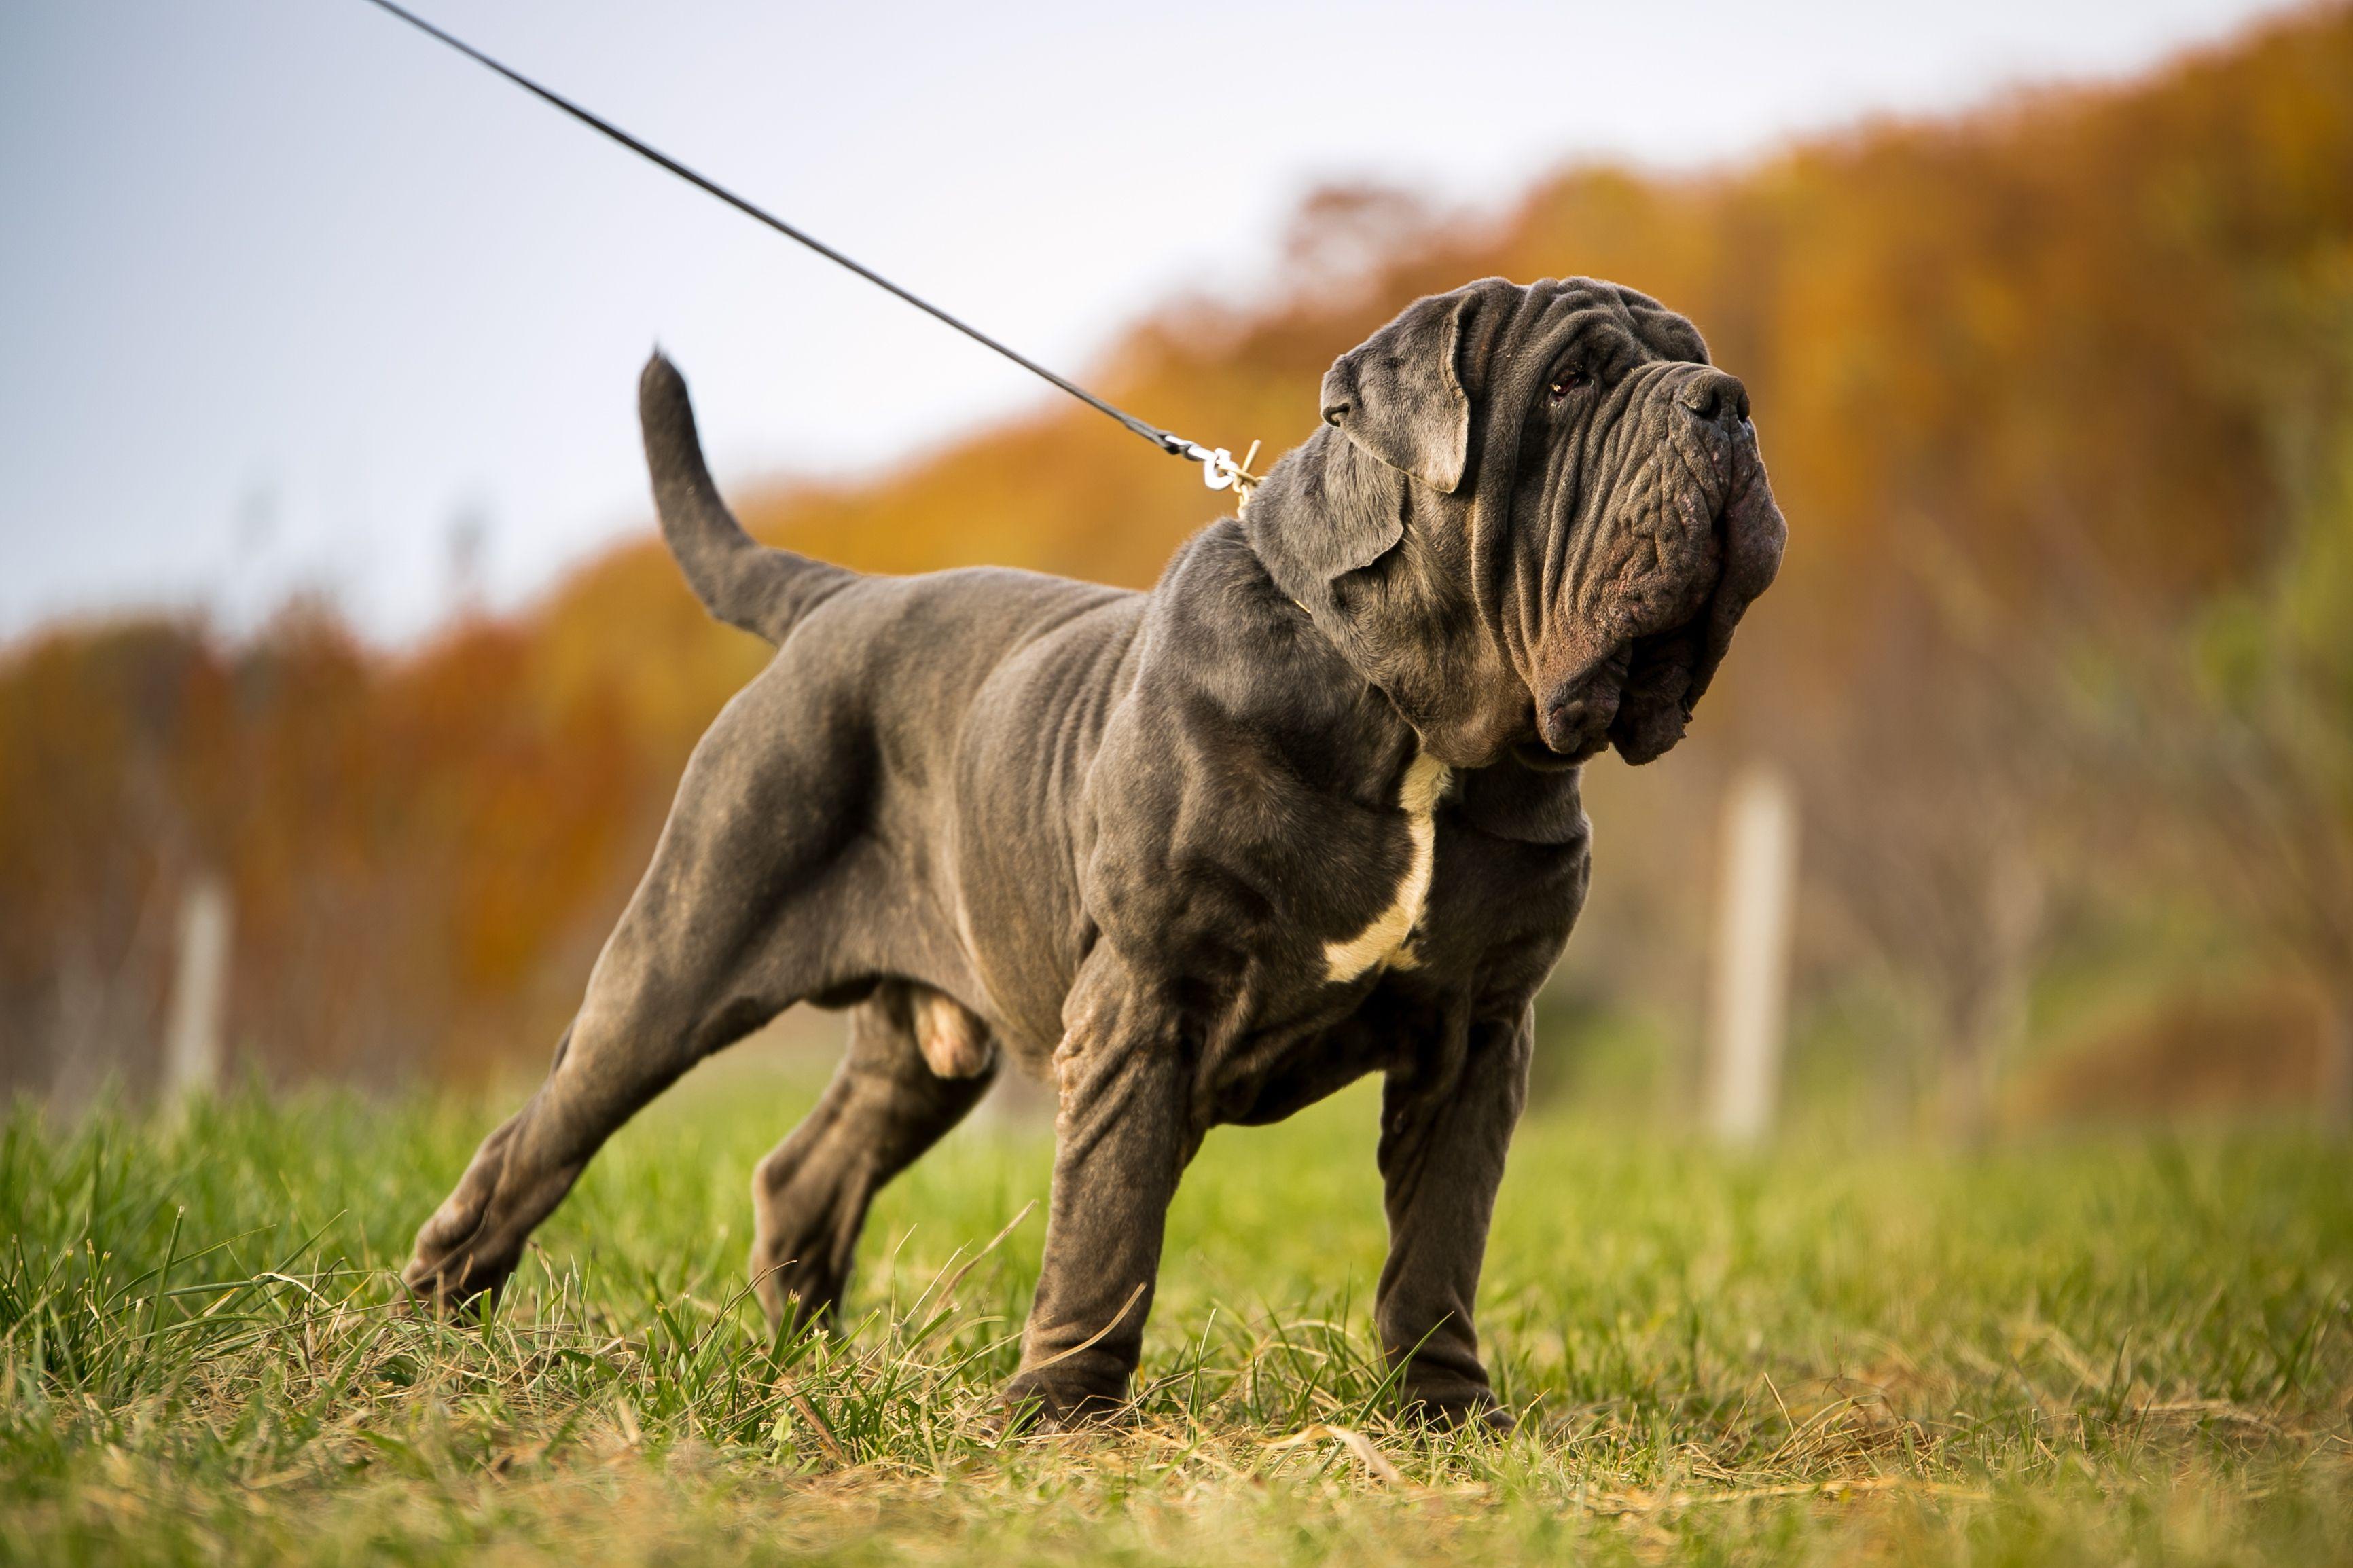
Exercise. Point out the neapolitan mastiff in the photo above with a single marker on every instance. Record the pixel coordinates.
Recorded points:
(1305, 811)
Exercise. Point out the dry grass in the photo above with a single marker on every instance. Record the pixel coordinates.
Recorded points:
(2132, 1348)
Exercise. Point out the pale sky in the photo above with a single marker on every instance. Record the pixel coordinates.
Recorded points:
(290, 295)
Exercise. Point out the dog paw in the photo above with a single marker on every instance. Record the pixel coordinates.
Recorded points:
(1036, 1405)
(452, 1281)
(448, 1268)
(1479, 1413)
(1497, 1423)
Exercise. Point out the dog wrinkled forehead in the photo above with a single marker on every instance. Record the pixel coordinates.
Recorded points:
(1514, 333)
(1410, 393)
(1665, 333)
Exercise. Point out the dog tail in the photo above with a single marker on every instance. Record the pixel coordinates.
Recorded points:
(739, 580)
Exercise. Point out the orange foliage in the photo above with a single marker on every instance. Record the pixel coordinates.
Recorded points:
(2064, 332)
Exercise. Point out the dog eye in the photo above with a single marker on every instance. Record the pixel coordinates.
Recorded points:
(1567, 381)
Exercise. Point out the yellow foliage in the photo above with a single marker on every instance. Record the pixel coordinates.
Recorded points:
(2056, 332)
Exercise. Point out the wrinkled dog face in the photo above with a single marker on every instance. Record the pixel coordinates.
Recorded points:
(1535, 518)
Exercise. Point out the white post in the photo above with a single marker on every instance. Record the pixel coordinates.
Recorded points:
(192, 1049)
(1749, 998)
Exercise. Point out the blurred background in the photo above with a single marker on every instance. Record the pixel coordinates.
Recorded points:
(343, 684)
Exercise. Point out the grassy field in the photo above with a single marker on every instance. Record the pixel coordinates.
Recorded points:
(2129, 1348)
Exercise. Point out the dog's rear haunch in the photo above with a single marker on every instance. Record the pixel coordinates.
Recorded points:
(1307, 810)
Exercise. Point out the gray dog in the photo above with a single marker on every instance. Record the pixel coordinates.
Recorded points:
(1305, 811)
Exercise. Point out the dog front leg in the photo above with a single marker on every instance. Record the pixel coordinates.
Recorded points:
(1122, 1139)
(1441, 1157)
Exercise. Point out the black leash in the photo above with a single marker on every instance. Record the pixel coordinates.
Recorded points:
(1219, 470)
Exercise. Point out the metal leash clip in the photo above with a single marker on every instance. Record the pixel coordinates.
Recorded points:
(1220, 472)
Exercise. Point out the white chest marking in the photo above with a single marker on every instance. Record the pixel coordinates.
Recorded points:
(1388, 942)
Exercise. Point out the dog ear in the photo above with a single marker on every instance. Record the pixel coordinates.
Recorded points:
(1397, 396)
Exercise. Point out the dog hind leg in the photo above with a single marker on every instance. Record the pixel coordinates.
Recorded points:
(917, 1063)
(740, 915)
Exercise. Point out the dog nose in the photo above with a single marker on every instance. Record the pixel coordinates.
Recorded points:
(1712, 395)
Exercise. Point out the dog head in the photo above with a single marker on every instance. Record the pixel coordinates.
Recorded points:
(1533, 517)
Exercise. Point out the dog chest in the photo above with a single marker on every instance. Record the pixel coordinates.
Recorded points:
(1386, 940)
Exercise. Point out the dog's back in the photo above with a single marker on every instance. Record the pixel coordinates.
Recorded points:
(968, 703)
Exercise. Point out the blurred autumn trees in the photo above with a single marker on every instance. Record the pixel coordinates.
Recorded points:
(411, 846)
(2058, 398)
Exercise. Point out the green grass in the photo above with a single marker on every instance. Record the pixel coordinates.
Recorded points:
(2128, 1348)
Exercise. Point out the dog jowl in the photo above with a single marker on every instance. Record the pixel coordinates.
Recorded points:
(1307, 810)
